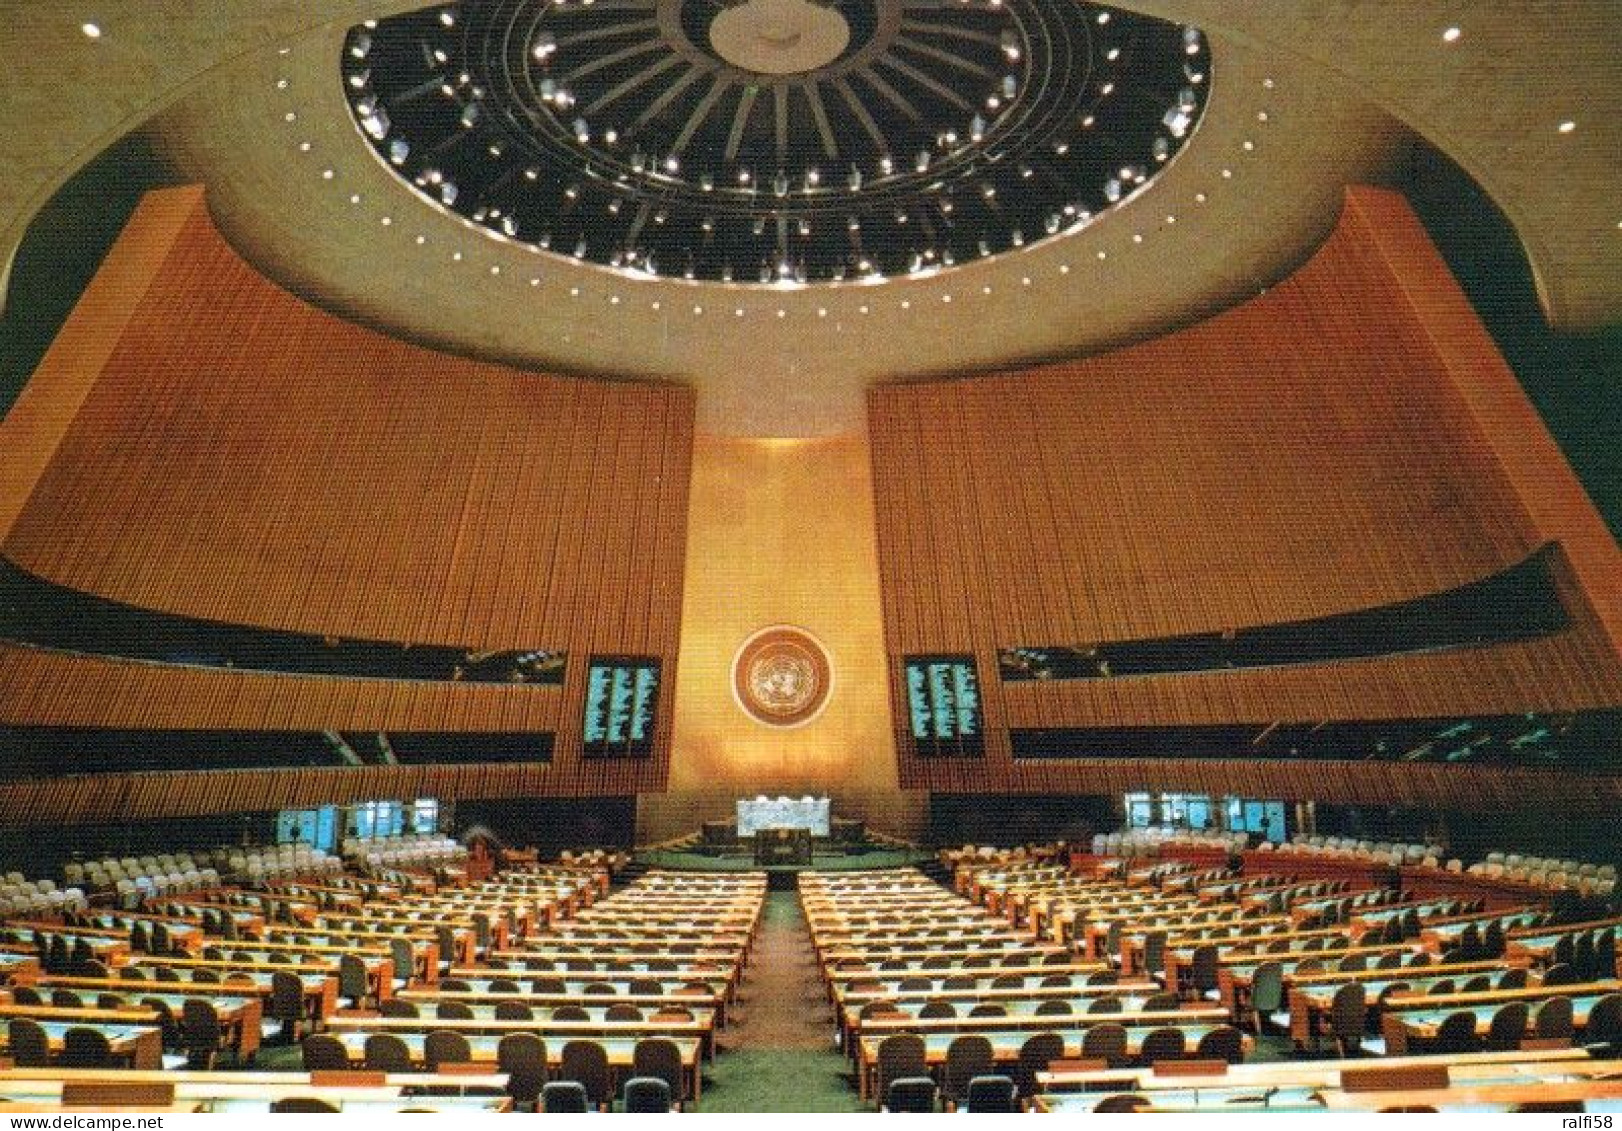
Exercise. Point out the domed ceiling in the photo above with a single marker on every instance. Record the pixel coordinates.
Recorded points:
(775, 141)
(1303, 97)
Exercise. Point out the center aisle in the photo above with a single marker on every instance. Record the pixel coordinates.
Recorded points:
(779, 1049)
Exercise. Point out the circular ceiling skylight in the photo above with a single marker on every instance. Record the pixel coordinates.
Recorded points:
(775, 141)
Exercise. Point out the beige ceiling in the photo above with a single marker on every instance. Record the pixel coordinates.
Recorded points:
(1332, 78)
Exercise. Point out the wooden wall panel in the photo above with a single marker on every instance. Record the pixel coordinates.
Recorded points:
(237, 454)
(1311, 452)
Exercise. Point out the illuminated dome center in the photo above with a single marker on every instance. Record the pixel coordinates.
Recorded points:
(779, 37)
(775, 141)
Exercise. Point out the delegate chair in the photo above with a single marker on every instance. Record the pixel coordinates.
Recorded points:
(647, 1095)
(303, 1105)
(990, 1095)
(27, 1043)
(564, 1097)
(900, 1055)
(586, 1063)
(967, 1057)
(660, 1058)
(84, 1047)
(522, 1056)
(323, 1053)
(386, 1052)
(443, 1047)
(913, 1094)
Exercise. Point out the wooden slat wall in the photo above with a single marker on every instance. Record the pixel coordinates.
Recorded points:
(1307, 453)
(99, 797)
(246, 457)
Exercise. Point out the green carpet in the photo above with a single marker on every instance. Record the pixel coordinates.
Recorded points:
(777, 1054)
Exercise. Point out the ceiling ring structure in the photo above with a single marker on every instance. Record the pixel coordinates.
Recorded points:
(875, 138)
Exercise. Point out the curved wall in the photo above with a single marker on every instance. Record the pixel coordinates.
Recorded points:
(199, 441)
(1348, 440)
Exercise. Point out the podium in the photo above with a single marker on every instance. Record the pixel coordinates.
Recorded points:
(783, 846)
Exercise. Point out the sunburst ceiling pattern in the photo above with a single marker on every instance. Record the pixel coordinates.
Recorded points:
(775, 141)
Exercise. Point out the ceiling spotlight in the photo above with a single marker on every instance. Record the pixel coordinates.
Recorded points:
(91, 31)
(1451, 35)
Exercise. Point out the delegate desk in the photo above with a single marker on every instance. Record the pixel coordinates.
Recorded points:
(1311, 996)
(414, 1090)
(1005, 1045)
(906, 1019)
(240, 1016)
(620, 1051)
(138, 1045)
(379, 971)
(1410, 1018)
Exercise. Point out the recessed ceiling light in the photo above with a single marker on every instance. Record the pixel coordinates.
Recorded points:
(386, 221)
(1103, 254)
(91, 31)
(534, 280)
(1567, 126)
(327, 174)
(613, 300)
(862, 308)
(781, 313)
(422, 240)
(456, 256)
(1064, 268)
(698, 310)
(906, 304)
(822, 312)
(1451, 35)
(654, 304)
(495, 269)
(737, 312)
(574, 292)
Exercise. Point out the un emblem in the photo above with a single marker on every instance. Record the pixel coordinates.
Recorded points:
(782, 676)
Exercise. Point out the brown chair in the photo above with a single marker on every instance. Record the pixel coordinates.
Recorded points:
(397, 1007)
(84, 1047)
(988, 1009)
(1053, 1007)
(522, 1056)
(27, 1043)
(660, 1058)
(325, 1053)
(510, 1010)
(1222, 1043)
(304, 1105)
(1034, 1056)
(453, 1010)
(900, 1056)
(386, 1052)
(1554, 1019)
(968, 1056)
(1348, 1015)
(622, 1011)
(937, 1009)
(1456, 1034)
(200, 1032)
(1165, 1043)
(1508, 1027)
(571, 1013)
(586, 1063)
(1162, 1003)
(443, 1047)
(1106, 1041)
